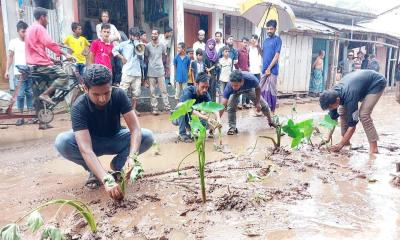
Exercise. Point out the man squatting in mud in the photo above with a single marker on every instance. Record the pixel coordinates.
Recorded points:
(342, 100)
(97, 131)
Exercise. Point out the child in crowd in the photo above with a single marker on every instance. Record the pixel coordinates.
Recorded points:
(190, 72)
(226, 65)
(101, 49)
(198, 65)
(79, 46)
(181, 63)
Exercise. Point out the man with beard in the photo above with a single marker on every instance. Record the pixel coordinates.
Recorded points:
(200, 43)
(271, 51)
(218, 40)
(156, 72)
(233, 53)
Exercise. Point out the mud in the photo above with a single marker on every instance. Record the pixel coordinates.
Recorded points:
(308, 193)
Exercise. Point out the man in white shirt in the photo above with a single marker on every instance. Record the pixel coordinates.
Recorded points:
(255, 58)
(200, 43)
(218, 40)
(16, 56)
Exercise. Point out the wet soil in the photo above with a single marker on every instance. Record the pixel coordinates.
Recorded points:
(308, 193)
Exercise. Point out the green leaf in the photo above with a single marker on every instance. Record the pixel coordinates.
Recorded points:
(296, 142)
(183, 109)
(291, 129)
(252, 177)
(10, 232)
(328, 122)
(52, 233)
(81, 207)
(306, 127)
(35, 221)
(137, 172)
(197, 129)
(208, 107)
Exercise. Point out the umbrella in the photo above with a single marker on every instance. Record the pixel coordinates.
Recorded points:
(260, 11)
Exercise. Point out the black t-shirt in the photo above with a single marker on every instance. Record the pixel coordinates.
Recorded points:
(353, 88)
(100, 122)
(191, 93)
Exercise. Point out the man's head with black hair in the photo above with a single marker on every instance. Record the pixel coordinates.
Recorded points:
(329, 99)
(236, 79)
(271, 27)
(97, 80)
(40, 14)
(168, 31)
(105, 32)
(76, 28)
(202, 82)
(21, 29)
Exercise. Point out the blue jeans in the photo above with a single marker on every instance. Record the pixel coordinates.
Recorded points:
(184, 124)
(80, 67)
(119, 144)
(25, 91)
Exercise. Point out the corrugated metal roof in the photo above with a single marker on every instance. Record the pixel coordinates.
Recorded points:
(308, 25)
(341, 27)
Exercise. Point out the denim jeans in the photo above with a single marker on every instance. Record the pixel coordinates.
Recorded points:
(80, 67)
(25, 91)
(119, 144)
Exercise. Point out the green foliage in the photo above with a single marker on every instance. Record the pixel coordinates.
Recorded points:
(52, 233)
(183, 109)
(137, 171)
(10, 232)
(35, 221)
(208, 107)
(299, 131)
(252, 177)
(328, 122)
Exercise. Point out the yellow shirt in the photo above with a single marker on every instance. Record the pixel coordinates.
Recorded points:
(77, 45)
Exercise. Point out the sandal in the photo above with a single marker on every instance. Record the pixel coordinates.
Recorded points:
(211, 133)
(185, 138)
(92, 182)
(232, 131)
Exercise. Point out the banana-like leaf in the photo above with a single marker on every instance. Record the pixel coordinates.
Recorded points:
(137, 171)
(52, 233)
(306, 127)
(291, 129)
(328, 122)
(197, 128)
(299, 131)
(10, 232)
(183, 109)
(35, 221)
(208, 107)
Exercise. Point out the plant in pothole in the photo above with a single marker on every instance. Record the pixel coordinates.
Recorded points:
(132, 171)
(198, 132)
(35, 221)
(299, 131)
(330, 124)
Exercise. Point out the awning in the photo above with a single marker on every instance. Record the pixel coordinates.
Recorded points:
(307, 25)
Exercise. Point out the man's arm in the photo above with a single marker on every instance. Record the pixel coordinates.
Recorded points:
(116, 51)
(273, 62)
(136, 133)
(225, 103)
(10, 61)
(85, 147)
(345, 139)
(258, 96)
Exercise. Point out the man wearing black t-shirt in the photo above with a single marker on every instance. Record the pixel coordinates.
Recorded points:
(97, 130)
(342, 100)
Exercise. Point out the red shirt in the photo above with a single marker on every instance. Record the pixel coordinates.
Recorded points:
(102, 53)
(36, 41)
(243, 60)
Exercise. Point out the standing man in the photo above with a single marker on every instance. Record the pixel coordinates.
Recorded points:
(342, 100)
(271, 51)
(131, 70)
(255, 58)
(155, 72)
(166, 39)
(97, 131)
(233, 53)
(243, 65)
(51, 76)
(16, 56)
(219, 41)
(347, 65)
(200, 44)
(243, 83)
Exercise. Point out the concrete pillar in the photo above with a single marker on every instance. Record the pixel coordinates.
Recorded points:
(217, 17)
(180, 21)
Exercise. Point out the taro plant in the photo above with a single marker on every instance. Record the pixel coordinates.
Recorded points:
(299, 131)
(198, 132)
(35, 221)
(132, 171)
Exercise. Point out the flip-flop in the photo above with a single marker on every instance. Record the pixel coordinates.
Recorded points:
(232, 131)
(92, 182)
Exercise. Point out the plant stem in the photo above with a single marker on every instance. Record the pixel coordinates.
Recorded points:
(179, 166)
(270, 138)
(202, 160)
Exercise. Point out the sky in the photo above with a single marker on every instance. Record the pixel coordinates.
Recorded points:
(373, 6)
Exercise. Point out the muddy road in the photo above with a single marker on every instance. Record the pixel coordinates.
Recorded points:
(300, 194)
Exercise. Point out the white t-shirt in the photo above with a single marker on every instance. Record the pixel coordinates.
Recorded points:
(219, 46)
(226, 69)
(255, 61)
(166, 42)
(18, 47)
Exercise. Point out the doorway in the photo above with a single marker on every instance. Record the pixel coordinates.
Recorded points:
(194, 21)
